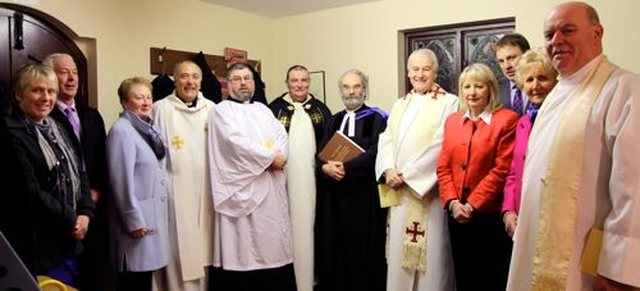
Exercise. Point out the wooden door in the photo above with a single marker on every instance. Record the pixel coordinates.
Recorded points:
(27, 36)
(459, 45)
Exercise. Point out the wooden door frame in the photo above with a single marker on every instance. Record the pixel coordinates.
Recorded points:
(68, 37)
(458, 31)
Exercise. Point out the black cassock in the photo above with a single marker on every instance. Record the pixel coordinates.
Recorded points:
(318, 112)
(350, 225)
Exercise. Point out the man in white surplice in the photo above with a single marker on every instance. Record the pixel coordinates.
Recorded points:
(247, 153)
(591, 119)
(182, 116)
(407, 156)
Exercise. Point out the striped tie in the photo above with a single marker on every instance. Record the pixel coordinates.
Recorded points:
(517, 101)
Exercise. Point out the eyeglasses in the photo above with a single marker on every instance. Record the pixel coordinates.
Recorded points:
(238, 79)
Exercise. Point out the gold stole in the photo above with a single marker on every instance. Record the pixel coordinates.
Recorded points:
(418, 139)
(554, 240)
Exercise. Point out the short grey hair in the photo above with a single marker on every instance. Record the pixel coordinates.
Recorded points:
(237, 67)
(48, 61)
(364, 79)
(423, 52)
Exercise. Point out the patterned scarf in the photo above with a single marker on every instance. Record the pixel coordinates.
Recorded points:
(149, 133)
(61, 159)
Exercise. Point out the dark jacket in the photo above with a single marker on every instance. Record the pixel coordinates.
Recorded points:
(318, 112)
(37, 224)
(94, 138)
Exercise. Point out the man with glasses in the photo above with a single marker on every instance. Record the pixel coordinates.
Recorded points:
(248, 150)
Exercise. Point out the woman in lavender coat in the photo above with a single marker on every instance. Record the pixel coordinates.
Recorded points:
(536, 75)
(138, 208)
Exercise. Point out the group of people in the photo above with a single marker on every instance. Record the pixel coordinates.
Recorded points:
(532, 186)
(488, 190)
(53, 151)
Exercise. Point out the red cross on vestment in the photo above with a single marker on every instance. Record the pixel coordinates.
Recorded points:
(437, 91)
(414, 232)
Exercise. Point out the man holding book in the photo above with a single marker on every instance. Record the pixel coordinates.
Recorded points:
(350, 224)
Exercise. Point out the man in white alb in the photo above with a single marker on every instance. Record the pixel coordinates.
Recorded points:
(182, 116)
(419, 253)
(582, 168)
(248, 150)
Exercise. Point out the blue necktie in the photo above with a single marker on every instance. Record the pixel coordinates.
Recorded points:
(517, 101)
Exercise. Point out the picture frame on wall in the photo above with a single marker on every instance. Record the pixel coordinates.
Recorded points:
(317, 85)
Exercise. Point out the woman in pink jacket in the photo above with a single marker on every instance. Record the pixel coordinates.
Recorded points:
(536, 75)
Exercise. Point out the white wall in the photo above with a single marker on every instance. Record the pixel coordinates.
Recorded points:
(364, 36)
(125, 30)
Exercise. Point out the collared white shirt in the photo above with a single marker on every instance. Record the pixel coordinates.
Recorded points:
(484, 116)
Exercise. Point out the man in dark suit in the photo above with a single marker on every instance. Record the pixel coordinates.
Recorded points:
(508, 51)
(87, 126)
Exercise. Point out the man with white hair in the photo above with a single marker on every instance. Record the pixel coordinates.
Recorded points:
(419, 256)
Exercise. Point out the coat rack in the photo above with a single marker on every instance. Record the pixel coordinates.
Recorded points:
(163, 60)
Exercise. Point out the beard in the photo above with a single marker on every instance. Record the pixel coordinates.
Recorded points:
(352, 102)
(243, 95)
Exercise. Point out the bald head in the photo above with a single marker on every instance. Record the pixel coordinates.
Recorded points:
(573, 36)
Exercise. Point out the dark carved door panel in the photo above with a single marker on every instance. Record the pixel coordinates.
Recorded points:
(28, 35)
(457, 46)
(447, 49)
(478, 48)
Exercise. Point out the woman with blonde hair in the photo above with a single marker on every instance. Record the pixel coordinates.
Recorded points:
(537, 77)
(474, 162)
(46, 187)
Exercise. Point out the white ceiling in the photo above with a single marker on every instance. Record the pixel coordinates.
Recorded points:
(284, 8)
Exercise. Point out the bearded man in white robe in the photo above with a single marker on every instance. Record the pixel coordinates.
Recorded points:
(182, 117)
(419, 252)
(247, 154)
(580, 182)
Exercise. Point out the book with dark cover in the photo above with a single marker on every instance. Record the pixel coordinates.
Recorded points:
(340, 148)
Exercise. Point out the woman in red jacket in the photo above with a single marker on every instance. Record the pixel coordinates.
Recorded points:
(475, 159)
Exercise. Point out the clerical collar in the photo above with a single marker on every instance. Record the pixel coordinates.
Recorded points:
(354, 110)
(288, 98)
(191, 104)
(349, 120)
(239, 101)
